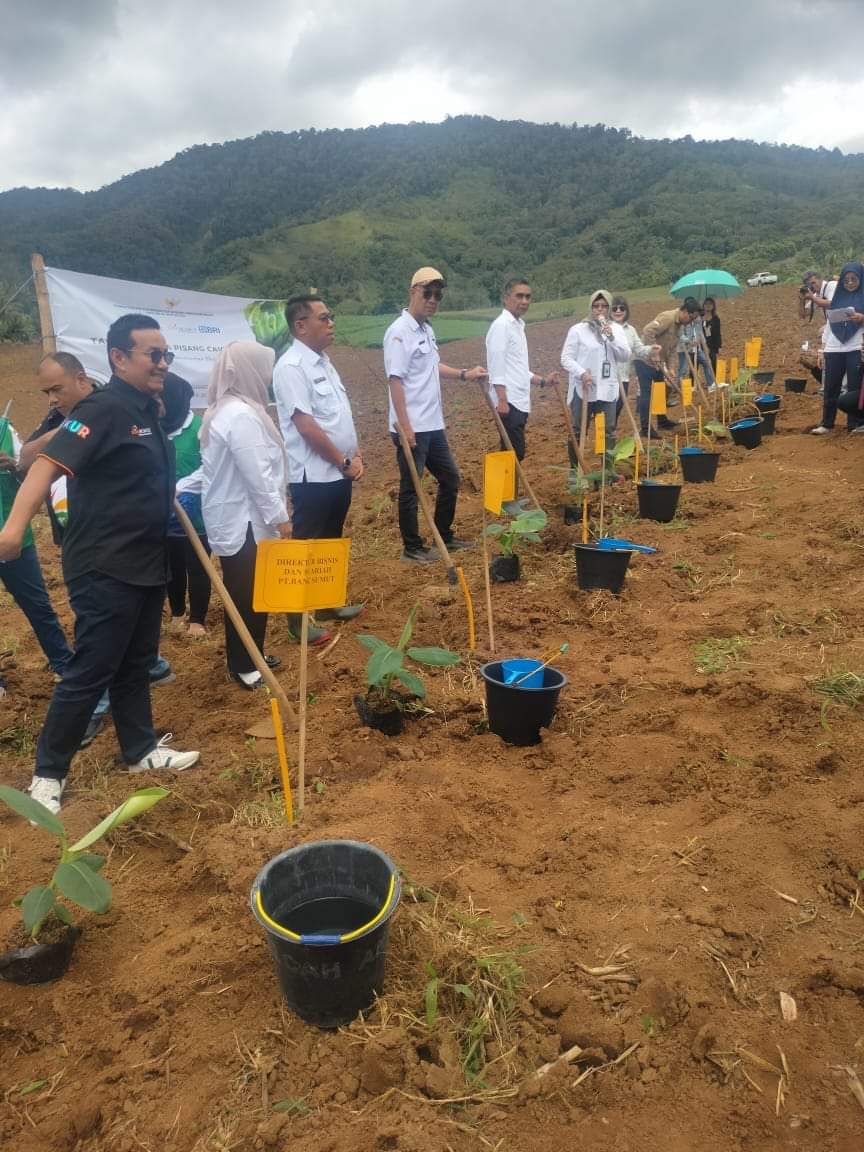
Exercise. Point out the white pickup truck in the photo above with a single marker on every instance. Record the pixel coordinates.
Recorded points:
(760, 279)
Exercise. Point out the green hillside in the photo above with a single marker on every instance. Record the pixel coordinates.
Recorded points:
(354, 212)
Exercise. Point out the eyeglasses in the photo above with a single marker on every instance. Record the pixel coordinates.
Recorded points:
(618, 308)
(157, 355)
(326, 317)
(433, 293)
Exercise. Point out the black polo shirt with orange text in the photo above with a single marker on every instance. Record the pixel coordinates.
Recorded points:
(121, 482)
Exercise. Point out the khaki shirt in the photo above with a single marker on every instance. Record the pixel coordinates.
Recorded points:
(664, 330)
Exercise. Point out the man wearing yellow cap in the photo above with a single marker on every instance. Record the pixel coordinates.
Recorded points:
(414, 372)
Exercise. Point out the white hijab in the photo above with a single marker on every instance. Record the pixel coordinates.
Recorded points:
(242, 372)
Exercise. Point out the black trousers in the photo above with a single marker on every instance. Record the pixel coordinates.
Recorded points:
(238, 574)
(187, 571)
(319, 508)
(433, 452)
(514, 423)
(116, 645)
(838, 365)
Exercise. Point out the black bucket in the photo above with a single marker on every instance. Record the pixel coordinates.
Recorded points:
(747, 433)
(601, 567)
(517, 713)
(698, 466)
(763, 379)
(572, 513)
(40, 963)
(795, 383)
(504, 569)
(769, 420)
(326, 908)
(768, 402)
(657, 501)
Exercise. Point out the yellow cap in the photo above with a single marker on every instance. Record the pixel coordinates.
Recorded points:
(426, 276)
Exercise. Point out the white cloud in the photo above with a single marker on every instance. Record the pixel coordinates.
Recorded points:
(99, 88)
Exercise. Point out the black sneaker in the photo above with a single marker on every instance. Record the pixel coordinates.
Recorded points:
(457, 545)
(419, 555)
(665, 422)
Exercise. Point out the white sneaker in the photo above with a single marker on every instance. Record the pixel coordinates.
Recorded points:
(47, 792)
(162, 757)
(820, 430)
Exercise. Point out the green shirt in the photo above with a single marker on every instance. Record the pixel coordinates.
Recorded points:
(187, 448)
(9, 482)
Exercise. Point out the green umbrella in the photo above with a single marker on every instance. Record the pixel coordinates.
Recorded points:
(707, 282)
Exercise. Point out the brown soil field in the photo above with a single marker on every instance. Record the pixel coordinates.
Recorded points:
(681, 848)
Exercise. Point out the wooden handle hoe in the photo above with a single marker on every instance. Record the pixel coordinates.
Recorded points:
(235, 617)
(505, 439)
(571, 431)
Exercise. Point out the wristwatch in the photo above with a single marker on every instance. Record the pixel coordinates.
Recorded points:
(346, 463)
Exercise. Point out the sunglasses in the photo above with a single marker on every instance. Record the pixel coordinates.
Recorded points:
(618, 308)
(433, 293)
(157, 355)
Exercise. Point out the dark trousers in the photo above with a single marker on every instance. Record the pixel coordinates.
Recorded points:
(238, 574)
(319, 508)
(514, 422)
(187, 571)
(24, 583)
(646, 374)
(838, 365)
(433, 452)
(116, 645)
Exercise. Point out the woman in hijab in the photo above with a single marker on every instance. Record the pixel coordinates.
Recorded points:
(592, 351)
(182, 426)
(243, 492)
(842, 344)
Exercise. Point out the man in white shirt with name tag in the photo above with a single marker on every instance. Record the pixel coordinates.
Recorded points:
(320, 438)
(507, 360)
(414, 372)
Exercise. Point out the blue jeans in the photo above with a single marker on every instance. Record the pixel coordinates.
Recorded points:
(646, 374)
(24, 583)
(116, 645)
(702, 360)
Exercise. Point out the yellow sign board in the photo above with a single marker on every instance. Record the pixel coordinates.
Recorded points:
(599, 433)
(721, 372)
(686, 391)
(733, 370)
(301, 575)
(751, 354)
(658, 398)
(499, 480)
(757, 344)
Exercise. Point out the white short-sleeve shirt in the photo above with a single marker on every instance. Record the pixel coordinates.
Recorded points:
(306, 381)
(507, 359)
(411, 353)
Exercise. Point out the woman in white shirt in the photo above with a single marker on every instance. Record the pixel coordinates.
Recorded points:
(243, 494)
(592, 352)
(841, 344)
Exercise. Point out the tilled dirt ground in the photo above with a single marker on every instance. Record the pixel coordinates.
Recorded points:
(697, 831)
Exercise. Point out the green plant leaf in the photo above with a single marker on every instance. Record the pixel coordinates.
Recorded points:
(134, 806)
(494, 529)
(430, 1000)
(63, 914)
(371, 642)
(35, 906)
(408, 630)
(93, 860)
(383, 663)
(33, 1086)
(514, 507)
(83, 886)
(437, 657)
(465, 991)
(31, 809)
(624, 449)
(292, 1104)
(413, 683)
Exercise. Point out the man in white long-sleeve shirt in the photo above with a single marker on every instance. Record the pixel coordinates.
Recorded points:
(510, 375)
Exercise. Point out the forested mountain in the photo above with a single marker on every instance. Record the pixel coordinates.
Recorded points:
(354, 212)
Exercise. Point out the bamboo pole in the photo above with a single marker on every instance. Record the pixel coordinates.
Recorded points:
(505, 439)
(634, 427)
(46, 322)
(488, 587)
(571, 431)
(236, 619)
(303, 692)
(283, 759)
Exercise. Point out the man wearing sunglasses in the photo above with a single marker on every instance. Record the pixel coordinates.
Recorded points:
(120, 470)
(414, 372)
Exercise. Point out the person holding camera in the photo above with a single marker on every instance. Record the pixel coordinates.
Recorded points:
(814, 293)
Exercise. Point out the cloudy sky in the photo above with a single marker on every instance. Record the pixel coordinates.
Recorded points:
(93, 89)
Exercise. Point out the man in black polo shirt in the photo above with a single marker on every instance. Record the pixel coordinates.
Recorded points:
(120, 475)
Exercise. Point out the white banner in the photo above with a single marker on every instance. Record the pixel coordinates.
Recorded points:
(196, 325)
